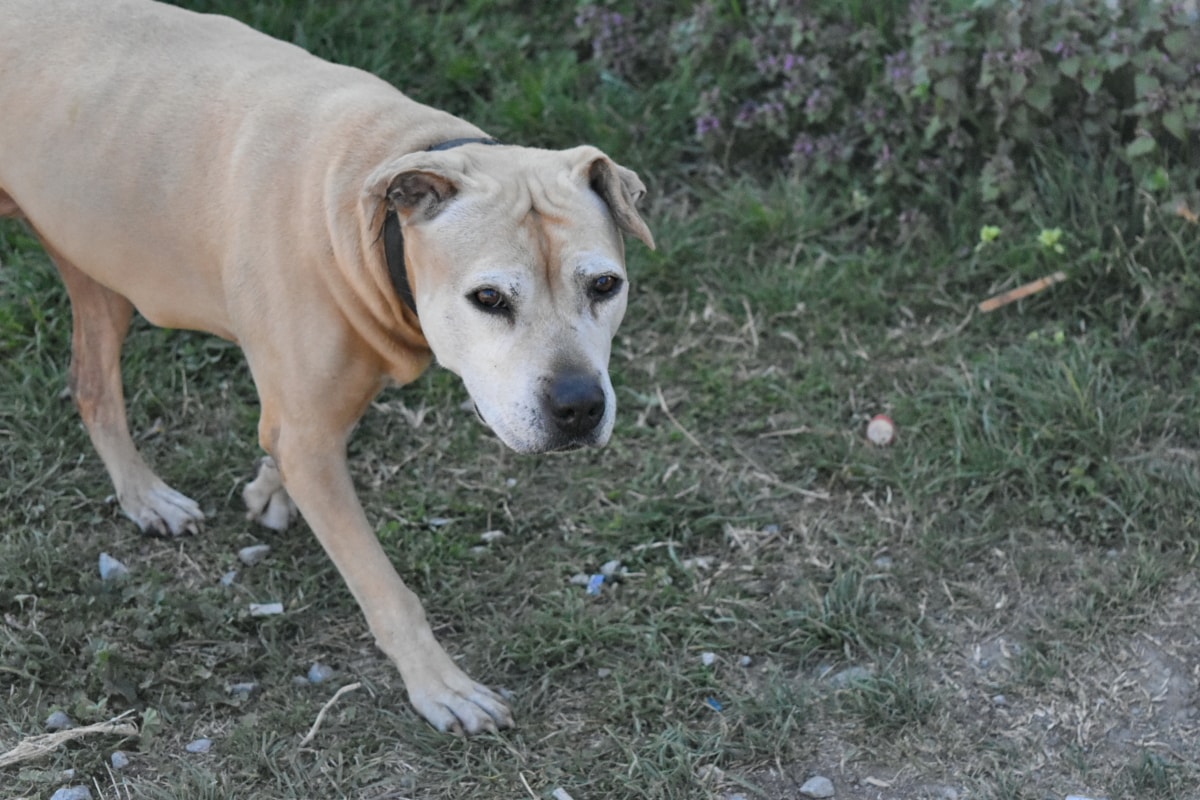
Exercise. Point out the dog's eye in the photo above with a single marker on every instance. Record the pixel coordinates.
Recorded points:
(604, 286)
(490, 299)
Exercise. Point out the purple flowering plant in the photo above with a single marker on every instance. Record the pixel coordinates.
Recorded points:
(907, 97)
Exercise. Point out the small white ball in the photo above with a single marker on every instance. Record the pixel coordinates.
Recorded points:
(881, 430)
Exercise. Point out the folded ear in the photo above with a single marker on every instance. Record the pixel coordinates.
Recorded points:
(418, 184)
(621, 189)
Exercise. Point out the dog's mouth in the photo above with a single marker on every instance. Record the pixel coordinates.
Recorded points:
(553, 448)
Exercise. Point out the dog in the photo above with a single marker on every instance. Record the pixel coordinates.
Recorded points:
(343, 235)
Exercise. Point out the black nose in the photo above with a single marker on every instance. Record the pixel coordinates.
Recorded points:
(575, 403)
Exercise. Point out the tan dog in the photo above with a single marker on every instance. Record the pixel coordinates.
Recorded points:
(216, 179)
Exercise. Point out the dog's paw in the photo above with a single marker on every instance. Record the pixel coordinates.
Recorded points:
(456, 704)
(267, 502)
(159, 510)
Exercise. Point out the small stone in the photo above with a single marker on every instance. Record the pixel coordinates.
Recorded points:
(999, 700)
(299, 680)
(118, 760)
(603, 672)
(59, 721)
(850, 675)
(199, 746)
(265, 609)
(817, 786)
(511, 482)
(611, 568)
(229, 577)
(883, 562)
(770, 529)
(708, 659)
(72, 793)
(745, 661)
(579, 579)
(490, 536)
(319, 673)
(253, 554)
(243, 689)
(438, 522)
(111, 569)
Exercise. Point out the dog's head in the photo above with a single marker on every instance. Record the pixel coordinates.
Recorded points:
(517, 268)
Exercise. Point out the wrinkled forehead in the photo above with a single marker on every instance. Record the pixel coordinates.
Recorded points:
(531, 209)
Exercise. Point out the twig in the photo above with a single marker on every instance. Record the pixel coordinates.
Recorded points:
(312, 732)
(1021, 292)
(38, 746)
(662, 403)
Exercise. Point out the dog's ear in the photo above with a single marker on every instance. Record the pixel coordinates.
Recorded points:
(621, 189)
(416, 185)
(421, 192)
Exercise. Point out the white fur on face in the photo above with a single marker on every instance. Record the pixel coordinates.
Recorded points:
(544, 265)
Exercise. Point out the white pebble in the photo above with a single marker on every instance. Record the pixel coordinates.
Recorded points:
(118, 760)
(851, 675)
(253, 554)
(111, 569)
(243, 689)
(817, 786)
(745, 661)
(72, 793)
(707, 659)
(490, 536)
(580, 579)
(610, 568)
(265, 609)
(603, 672)
(561, 794)
(59, 721)
(319, 673)
(229, 577)
(199, 746)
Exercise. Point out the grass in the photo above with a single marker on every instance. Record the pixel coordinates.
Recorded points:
(1032, 534)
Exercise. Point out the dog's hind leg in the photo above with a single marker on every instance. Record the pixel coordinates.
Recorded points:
(100, 320)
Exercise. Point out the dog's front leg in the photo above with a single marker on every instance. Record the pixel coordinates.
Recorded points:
(313, 468)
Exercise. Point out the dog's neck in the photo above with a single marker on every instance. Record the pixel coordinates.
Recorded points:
(393, 238)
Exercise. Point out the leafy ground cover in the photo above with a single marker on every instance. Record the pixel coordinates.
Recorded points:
(1000, 604)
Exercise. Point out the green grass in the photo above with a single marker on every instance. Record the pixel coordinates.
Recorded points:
(1034, 525)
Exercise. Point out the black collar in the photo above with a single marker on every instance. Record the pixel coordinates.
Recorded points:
(393, 239)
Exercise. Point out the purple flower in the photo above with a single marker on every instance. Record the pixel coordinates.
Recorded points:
(707, 124)
(804, 147)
